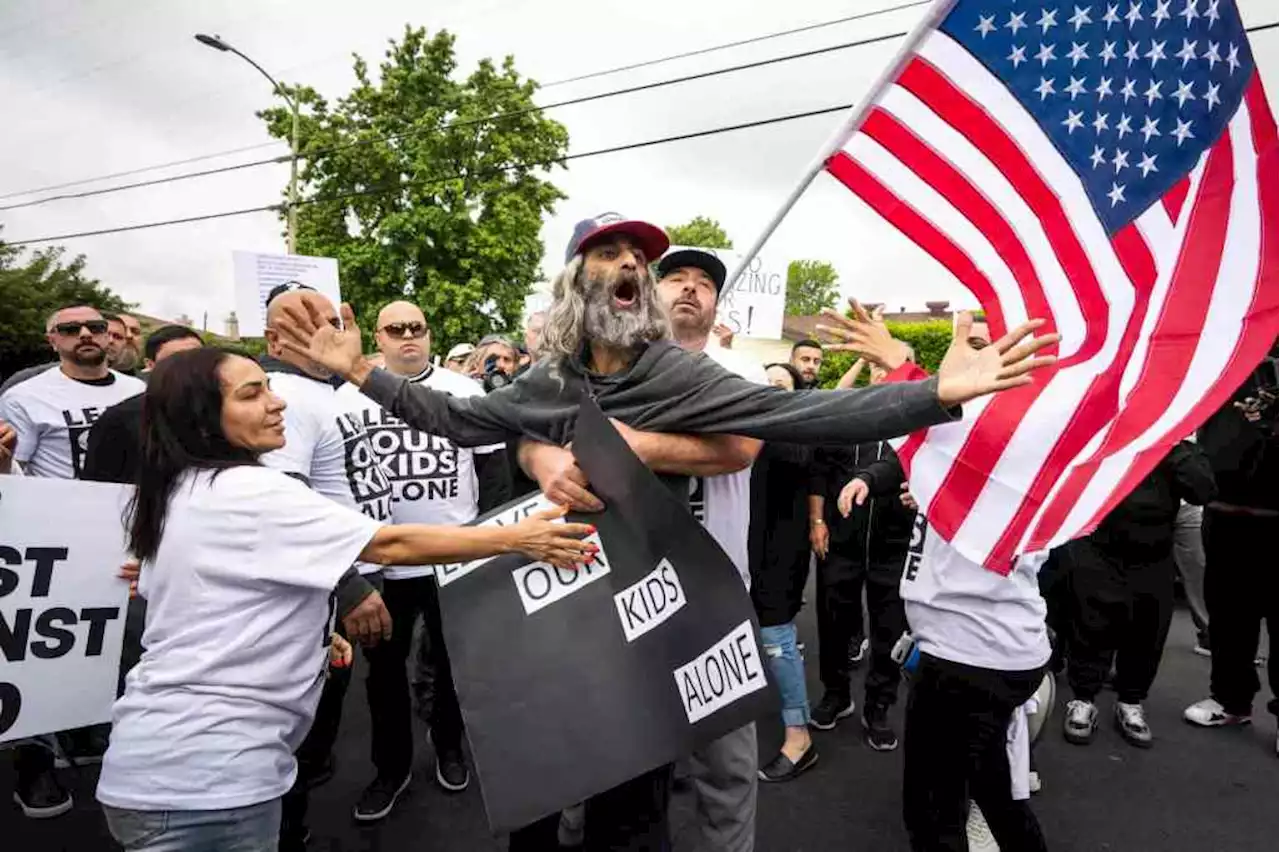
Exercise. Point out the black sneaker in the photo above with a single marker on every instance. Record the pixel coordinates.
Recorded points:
(82, 746)
(315, 775)
(877, 730)
(830, 710)
(43, 797)
(379, 798)
(451, 771)
(781, 768)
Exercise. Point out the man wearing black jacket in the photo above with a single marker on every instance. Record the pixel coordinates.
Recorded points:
(1240, 543)
(855, 496)
(1121, 579)
(606, 335)
(116, 438)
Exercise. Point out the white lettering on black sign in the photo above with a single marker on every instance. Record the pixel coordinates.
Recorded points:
(446, 574)
(649, 602)
(43, 633)
(541, 585)
(722, 674)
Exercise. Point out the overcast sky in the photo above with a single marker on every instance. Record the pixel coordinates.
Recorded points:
(91, 87)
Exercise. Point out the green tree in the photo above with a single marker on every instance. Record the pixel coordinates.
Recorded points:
(700, 231)
(429, 199)
(31, 288)
(811, 286)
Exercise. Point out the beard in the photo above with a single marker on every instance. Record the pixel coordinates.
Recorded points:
(621, 309)
(127, 360)
(88, 356)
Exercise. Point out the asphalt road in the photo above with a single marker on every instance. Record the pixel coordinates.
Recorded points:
(1195, 791)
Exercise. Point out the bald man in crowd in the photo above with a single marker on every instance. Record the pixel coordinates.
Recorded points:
(328, 449)
(433, 482)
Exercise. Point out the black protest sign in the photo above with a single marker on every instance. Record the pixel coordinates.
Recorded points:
(572, 682)
(62, 607)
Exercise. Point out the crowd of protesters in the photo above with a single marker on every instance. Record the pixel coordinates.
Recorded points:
(218, 445)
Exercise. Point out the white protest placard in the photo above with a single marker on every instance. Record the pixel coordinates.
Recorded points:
(62, 607)
(754, 303)
(257, 274)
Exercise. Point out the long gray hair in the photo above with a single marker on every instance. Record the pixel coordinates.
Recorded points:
(578, 304)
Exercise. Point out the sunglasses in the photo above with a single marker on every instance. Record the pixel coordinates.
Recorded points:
(69, 329)
(405, 329)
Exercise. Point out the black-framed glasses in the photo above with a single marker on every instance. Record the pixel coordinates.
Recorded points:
(405, 329)
(70, 329)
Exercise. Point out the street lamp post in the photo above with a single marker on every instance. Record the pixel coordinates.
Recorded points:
(291, 227)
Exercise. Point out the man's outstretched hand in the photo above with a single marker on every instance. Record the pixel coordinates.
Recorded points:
(303, 330)
(967, 373)
(865, 334)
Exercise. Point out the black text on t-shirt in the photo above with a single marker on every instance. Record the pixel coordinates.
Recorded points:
(417, 464)
(79, 421)
(369, 485)
(915, 550)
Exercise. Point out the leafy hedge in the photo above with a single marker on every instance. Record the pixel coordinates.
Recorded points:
(929, 339)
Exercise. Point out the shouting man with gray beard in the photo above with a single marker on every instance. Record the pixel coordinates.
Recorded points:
(606, 335)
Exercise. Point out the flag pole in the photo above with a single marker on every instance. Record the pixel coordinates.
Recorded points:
(852, 121)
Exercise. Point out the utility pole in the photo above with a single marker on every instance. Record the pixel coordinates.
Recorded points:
(291, 220)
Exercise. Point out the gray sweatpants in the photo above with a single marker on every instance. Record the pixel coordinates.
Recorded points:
(724, 777)
(1188, 553)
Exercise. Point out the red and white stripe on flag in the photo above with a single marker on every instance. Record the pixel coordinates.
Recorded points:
(1161, 320)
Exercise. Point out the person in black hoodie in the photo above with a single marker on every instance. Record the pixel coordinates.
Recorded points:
(855, 494)
(1240, 532)
(1121, 580)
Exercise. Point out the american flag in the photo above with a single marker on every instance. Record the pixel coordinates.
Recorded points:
(1111, 168)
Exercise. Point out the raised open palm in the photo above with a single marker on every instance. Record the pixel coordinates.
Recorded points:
(967, 373)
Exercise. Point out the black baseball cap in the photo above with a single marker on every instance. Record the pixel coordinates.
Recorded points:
(287, 287)
(653, 241)
(706, 261)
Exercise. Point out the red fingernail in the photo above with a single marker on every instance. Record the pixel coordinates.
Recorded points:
(593, 529)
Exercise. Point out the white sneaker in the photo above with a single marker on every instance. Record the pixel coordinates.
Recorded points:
(1131, 719)
(1210, 714)
(979, 833)
(1033, 781)
(1081, 722)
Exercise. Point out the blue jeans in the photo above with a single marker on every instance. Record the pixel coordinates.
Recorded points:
(255, 828)
(788, 672)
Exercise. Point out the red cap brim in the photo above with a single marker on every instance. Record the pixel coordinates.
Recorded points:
(653, 241)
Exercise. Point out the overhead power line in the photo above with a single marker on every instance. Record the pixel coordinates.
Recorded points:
(740, 43)
(601, 73)
(284, 158)
(399, 187)
(495, 117)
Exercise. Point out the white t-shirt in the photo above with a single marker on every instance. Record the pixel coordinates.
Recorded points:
(238, 618)
(433, 480)
(723, 503)
(962, 612)
(329, 447)
(53, 414)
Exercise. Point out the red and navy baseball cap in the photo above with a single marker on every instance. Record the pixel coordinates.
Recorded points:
(651, 239)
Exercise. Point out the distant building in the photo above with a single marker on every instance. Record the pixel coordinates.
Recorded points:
(801, 327)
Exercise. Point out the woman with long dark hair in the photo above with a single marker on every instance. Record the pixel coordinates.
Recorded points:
(239, 565)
